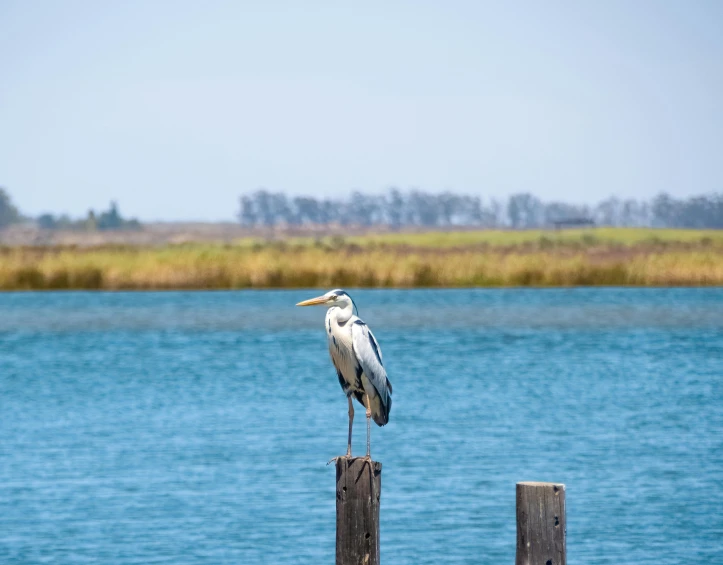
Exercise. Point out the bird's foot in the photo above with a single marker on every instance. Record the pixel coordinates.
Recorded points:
(334, 459)
(368, 461)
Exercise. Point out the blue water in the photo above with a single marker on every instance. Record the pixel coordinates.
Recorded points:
(189, 428)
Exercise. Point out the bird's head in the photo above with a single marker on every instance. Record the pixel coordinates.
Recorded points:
(336, 297)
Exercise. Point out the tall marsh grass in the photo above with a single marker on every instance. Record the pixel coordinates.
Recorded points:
(547, 260)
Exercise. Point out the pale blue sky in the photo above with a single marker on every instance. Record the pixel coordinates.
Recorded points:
(175, 108)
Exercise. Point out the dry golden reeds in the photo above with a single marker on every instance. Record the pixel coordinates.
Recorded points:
(407, 263)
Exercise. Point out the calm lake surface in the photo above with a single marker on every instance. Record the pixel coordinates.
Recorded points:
(189, 428)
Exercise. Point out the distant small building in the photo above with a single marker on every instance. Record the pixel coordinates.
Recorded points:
(573, 223)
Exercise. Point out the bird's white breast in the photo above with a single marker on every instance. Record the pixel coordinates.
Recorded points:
(340, 346)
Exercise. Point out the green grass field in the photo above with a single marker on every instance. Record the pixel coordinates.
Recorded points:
(574, 237)
(507, 238)
(604, 256)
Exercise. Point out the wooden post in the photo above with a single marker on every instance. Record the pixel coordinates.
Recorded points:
(358, 490)
(541, 525)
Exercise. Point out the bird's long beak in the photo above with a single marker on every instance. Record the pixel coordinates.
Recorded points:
(314, 301)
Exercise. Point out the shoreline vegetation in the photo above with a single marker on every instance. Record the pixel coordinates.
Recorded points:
(489, 258)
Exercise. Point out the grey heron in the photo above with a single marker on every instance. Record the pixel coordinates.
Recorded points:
(357, 358)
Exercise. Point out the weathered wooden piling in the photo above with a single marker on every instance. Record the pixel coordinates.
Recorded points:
(358, 492)
(541, 524)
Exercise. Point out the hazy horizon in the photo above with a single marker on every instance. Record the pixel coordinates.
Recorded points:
(176, 109)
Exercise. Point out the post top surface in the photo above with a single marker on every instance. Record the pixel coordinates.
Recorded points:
(346, 463)
(539, 484)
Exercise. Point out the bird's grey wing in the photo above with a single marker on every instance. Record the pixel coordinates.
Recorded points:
(369, 356)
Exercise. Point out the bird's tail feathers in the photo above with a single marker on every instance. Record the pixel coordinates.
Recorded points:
(381, 415)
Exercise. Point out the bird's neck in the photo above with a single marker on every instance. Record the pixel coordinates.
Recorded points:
(341, 315)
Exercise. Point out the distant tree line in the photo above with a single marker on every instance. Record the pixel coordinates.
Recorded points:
(8, 212)
(104, 221)
(446, 209)
(110, 219)
(397, 209)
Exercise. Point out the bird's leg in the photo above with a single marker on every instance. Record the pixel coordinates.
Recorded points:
(369, 426)
(368, 458)
(348, 445)
(351, 421)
